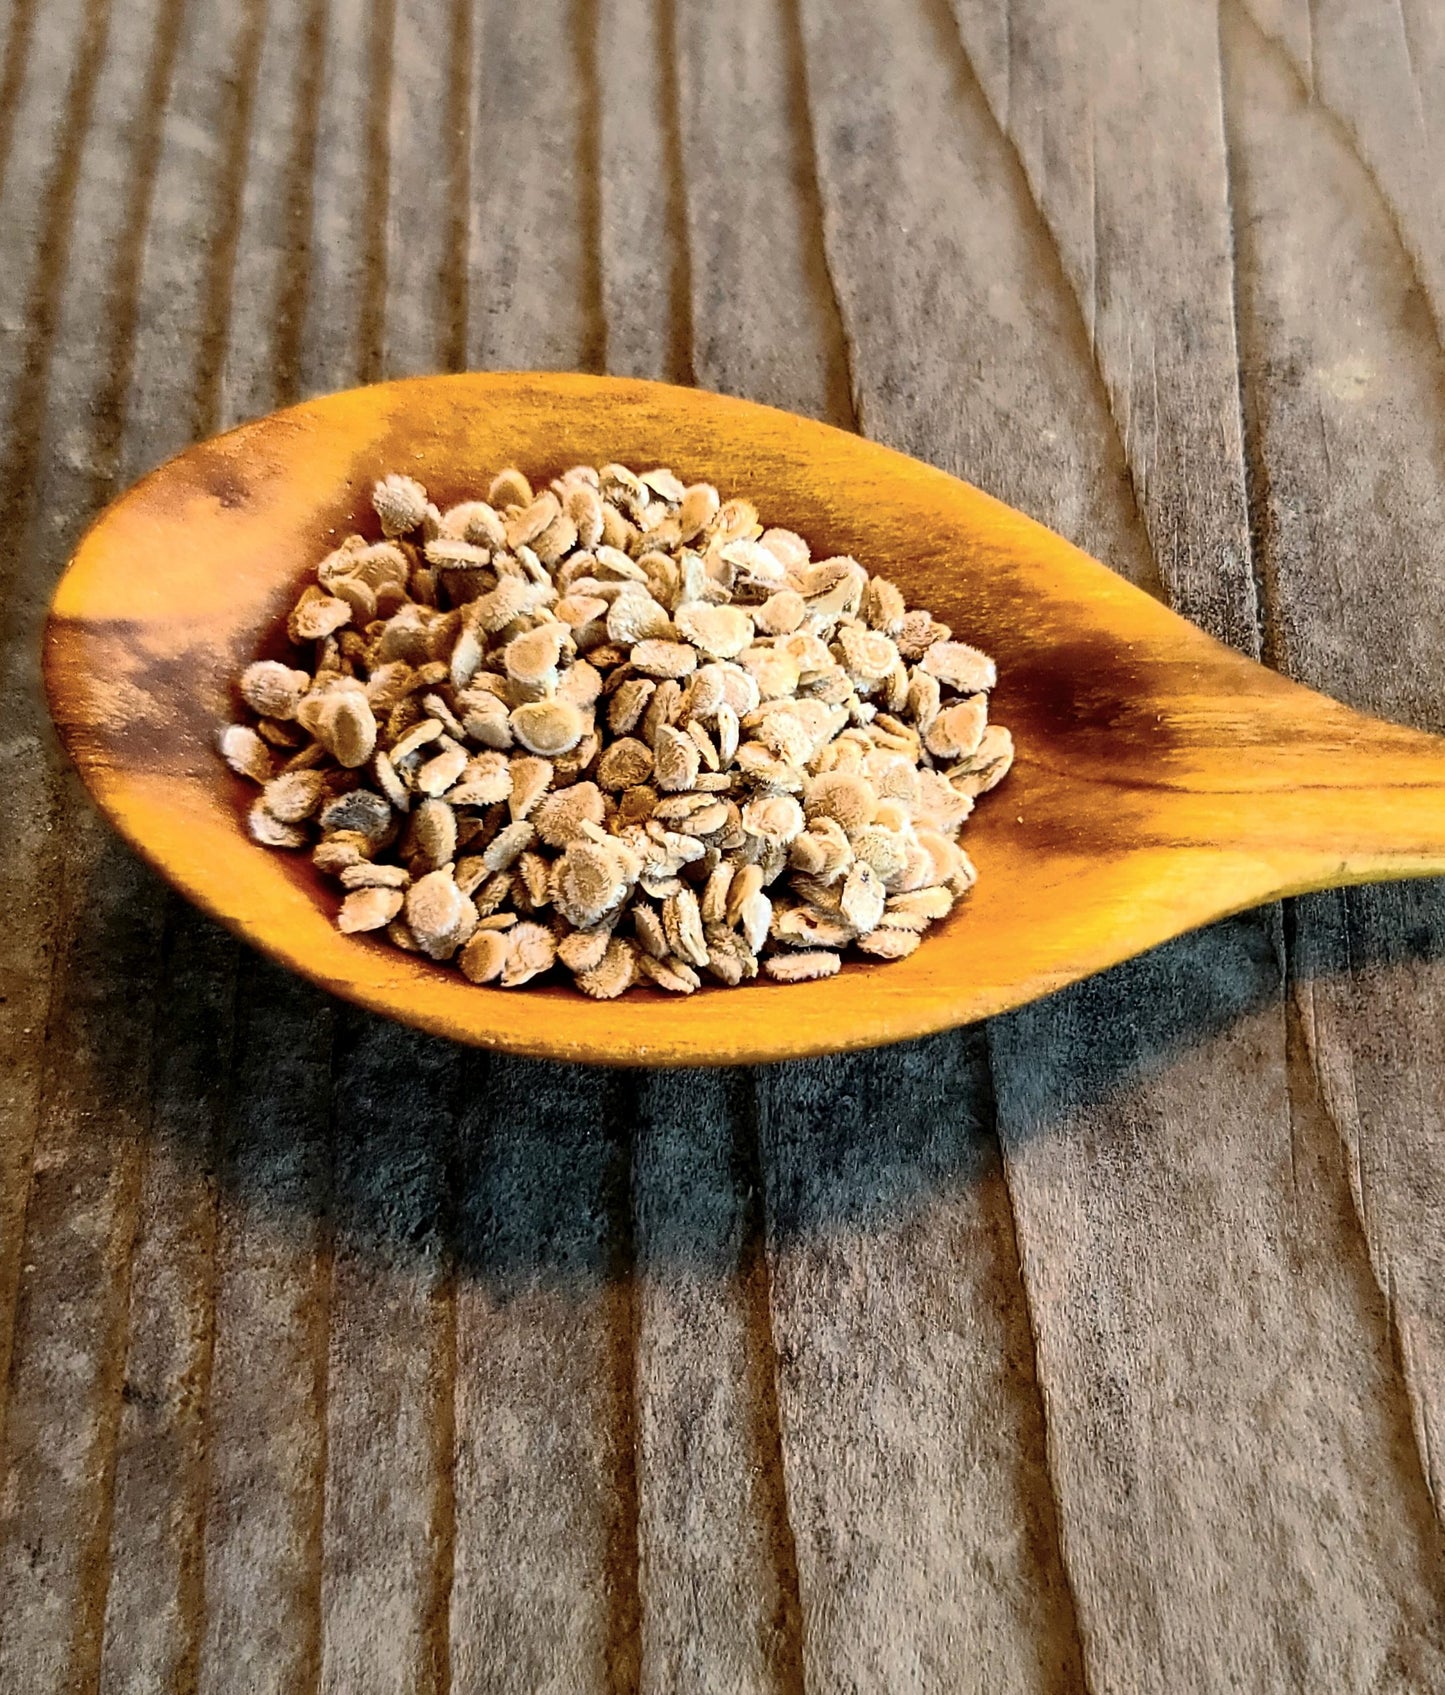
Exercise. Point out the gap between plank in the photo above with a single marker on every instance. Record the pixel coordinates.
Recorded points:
(25, 430)
(210, 359)
(755, 1281)
(17, 58)
(849, 404)
(624, 1588)
(300, 195)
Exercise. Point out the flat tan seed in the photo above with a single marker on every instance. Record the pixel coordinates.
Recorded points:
(649, 930)
(626, 708)
(272, 689)
(773, 818)
(246, 754)
(850, 801)
(271, 832)
(365, 876)
(636, 617)
(509, 488)
(781, 613)
(548, 727)
(988, 765)
(580, 685)
(613, 975)
(437, 910)
(531, 778)
(672, 975)
(294, 796)
(862, 898)
(485, 719)
(433, 832)
(437, 775)
(361, 811)
(508, 845)
(755, 916)
(416, 738)
(957, 731)
(559, 817)
(400, 503)
(721, 632)
(588, 882)
(802, 967)
(448, 553)
(388, 780)
(714, 903)
(348, 729)
(530, 522)
(316, 615)
(935, 902)
(531, 950)
(677, 760)
(889, 944)
(368, 909)
(484, 956)
(682, 923)
(336, 856)
(398, 933)
(486, 780)
(477, 522)
(583, 505)
(583, 950)
(664, 659)
(960, 666)
(533, 657)
(556, 541)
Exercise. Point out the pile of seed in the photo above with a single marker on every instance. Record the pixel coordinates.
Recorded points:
(620, 727)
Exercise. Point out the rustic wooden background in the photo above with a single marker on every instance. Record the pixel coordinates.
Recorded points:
(1102, 1348)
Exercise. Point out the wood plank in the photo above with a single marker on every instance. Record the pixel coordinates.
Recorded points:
(643, 247)
(1167, 1406)
(81, 373)
(387, 1531)
(301, 243)
(719, 1580)
(428, 187)
(544, 1591)
(908, 146)
(912, 1434)
(50, 100)
(979, 369)
(1346, 380)
(67, 1368)
(271, 271)
(265, 1453)
(339, 251)
(764, 317)
(717, 1575)
(535, 271)
(386, 1536)
(1073, 90)
(151, 1632)
(545, 1585)
(1380, 72)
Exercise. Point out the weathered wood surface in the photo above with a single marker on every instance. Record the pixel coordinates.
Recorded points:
(1100, 1348)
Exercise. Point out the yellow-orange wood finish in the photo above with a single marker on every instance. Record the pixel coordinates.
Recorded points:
(1162, 780)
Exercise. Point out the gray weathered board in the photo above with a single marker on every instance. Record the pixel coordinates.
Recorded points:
(1101, 1348)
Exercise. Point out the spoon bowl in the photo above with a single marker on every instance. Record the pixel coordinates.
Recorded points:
(1161, 780)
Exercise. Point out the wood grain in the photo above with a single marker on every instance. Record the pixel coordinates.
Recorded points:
(1364, 971)
(1179, 1281)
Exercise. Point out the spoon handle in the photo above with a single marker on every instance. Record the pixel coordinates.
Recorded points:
(1345, 799)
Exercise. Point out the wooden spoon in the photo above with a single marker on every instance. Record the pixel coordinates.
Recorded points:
(1162, 780)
